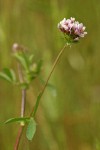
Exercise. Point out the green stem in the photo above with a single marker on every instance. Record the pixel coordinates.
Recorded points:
(43, 89)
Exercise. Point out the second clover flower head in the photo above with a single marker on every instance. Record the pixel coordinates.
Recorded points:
(72, 29)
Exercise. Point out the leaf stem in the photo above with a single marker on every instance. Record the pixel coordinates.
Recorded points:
(43, 89)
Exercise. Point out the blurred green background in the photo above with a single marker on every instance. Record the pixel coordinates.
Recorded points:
(69, 118)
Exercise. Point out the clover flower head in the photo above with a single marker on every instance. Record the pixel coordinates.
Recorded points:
(72, 29)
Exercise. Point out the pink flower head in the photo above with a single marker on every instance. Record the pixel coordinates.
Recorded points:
(72, 28)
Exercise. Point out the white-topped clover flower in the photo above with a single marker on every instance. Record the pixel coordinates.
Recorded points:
(72, 29)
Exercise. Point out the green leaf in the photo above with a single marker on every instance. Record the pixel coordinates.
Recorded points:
(31, 129)
(13, 76)
(36, 67)
(22, 58)
(39, 65)
(31, 58)
(20, 119)
(30, 76)
(8, 75)
(5, 77)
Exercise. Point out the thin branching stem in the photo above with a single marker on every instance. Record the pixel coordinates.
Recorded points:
(43, 89)
(38, 99)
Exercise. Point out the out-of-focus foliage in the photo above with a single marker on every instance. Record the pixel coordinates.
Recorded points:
(69, 120)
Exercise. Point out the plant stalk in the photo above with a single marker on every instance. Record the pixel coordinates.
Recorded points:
(23, 102)
(43, 89)
(20, 131)
(22, 109)
(38, 99)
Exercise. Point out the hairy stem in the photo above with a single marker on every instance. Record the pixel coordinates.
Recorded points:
(43, 89)
(22, 109)
(23, 102)
(20, 131)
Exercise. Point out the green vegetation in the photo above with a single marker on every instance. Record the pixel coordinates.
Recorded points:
(67, 119)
